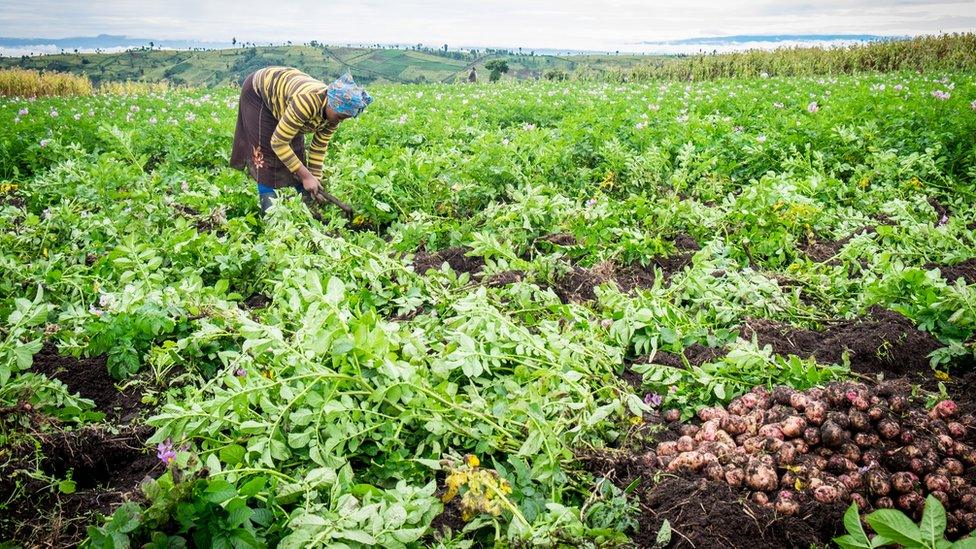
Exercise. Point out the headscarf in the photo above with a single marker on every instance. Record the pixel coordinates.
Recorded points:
(347, 98)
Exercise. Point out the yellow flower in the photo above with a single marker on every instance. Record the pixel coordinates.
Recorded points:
(798, 484)
(864, 182)
(472, 460)
(636, 420)
(941, 376)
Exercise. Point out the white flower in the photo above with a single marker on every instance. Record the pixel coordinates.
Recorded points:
(184, 186)
(44, 142)
(778, 105)
(640, 125)
(53, 113)
(761, 138)
(813, 107)
(77, 116)
(106, 301)
(23, 112)
(940, 95)
(403, 119)
(190, 117)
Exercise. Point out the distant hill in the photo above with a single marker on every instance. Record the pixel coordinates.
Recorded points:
(772, 38)
(231, 65)
(105, 42)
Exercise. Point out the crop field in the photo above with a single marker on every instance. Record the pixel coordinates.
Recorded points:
(576, 314)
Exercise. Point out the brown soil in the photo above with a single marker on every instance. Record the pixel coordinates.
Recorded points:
(577, 285)
(707, 514)
(89, 377)
(454, 257)
(448, 523)
(631, 277)
(940, 210)
(560, 239)
(884, 342)
(107, 469)
(504, 278)
(965, 270)
(823, 250)
(696, 354)
(685, 243)
(257, 301)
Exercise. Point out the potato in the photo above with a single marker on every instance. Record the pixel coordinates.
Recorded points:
(715, 472)
(786, 504)
(832, 434)
(793, 426)
(759, 498)
(877, 482)
(827, 494)
(685, 444)
(898, 404)
(954, 466)
(852, 480)
(816, 412)
(687, 461)
(787, 454)
(771, 430)
(884, 503)
(850, 451)
(944, 410)
(735, 477)
(688, 430)
(877, 412)
(734, 425)
(859, 421)
(668, 448)
(911, 503)
(937, 483)
(957, 430)
(799, 401)
(706, 414)
(839, 464)
(708, 430)
(761, 476)
(811, 435)
(941, 496)
(672, 415)
(904, 482)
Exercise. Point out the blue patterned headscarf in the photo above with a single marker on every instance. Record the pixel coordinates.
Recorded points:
(347, 98)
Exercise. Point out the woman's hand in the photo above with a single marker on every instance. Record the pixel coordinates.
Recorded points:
(312, 186)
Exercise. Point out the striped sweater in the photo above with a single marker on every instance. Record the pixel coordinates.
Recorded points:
(298, 102)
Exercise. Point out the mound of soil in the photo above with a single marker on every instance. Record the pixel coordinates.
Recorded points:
(884, 342)
(577, 285)
(454, 257)
(696, 354)
(504, 278)
(560, 239)
(89, 378)
(823, 250)
(965, 270)
(941, 212)
(632, 277)
(685, 243)
(709, 514)
(257, 301)
(107, 469)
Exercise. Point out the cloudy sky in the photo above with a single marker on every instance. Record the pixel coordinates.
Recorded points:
(578, 24)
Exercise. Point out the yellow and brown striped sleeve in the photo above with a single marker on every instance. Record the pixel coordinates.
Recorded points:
(316, 151)
(297, 113)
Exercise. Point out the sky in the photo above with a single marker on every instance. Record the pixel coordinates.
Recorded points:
(576, 24)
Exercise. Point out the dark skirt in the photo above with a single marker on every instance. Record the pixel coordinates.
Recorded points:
(252, 141)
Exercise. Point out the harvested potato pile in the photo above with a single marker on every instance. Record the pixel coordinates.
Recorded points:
(845, 442)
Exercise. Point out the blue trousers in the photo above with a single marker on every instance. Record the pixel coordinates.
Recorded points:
(266, 195)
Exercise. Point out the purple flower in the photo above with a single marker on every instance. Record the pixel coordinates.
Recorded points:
(813, 107)
(44, 142)
(23, 112)
(943, 221)
(591, 203)
(973, 105)
(165, 452)
(899, 87)
(240, 372)
(54, 113)
(652, 399)
(940, 95)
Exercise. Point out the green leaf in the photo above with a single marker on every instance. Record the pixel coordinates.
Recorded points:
(895, 526)
(232, 454)
(357, 535)
(965, 543)
(664, 534)
(933, 522)
(856, 536)
(67, 486)
(220, 491)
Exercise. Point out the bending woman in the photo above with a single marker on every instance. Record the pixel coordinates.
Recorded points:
(278, 106)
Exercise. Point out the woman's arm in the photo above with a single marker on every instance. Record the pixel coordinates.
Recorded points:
(297, 112)
(317, 149)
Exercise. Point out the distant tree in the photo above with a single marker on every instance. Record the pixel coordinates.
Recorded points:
(445, 48)
(152, 45)
(233, 41)
(497, 68)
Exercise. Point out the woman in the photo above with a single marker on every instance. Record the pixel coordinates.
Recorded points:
(278, 106)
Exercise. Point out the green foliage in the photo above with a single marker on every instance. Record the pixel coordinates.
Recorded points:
(893, 528)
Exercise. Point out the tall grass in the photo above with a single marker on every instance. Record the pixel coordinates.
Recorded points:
(133, 87)
(955, 51)
(31, 83)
